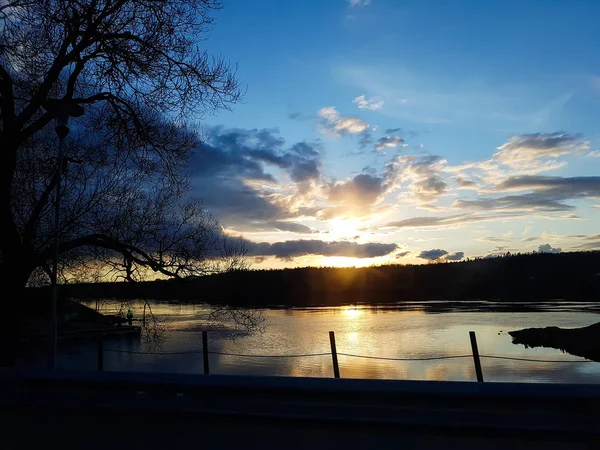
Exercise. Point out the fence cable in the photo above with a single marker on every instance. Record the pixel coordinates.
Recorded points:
(514, 358)
(406, 359)
(351, 355)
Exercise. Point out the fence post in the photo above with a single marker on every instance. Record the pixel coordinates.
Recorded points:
(205, 351)
(100, 356)
(476, 360)
(336, 367)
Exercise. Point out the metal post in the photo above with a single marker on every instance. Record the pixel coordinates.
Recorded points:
(54, 320)
(205, 351)
(476, 360)
(336, 367)
(100, 356)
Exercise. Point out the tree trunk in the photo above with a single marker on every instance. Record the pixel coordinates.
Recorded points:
(13, 310)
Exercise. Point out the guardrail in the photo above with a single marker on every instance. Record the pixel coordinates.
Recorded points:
(475, 355)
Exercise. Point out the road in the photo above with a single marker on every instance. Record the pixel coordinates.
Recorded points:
(103, 411)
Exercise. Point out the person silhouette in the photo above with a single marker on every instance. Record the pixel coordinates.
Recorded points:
(129, 317)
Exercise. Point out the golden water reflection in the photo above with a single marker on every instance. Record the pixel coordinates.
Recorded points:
(375, 332)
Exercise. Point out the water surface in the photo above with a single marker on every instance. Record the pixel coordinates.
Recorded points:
(410, 330)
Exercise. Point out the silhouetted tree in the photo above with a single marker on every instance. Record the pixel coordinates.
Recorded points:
(138, 69)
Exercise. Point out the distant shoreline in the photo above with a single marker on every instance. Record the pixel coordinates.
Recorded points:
(567, 277)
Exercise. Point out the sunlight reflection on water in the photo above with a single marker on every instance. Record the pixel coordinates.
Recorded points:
(416, 330)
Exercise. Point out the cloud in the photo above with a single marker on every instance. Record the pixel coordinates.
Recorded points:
(292, 227)
(359, 3)
(432, 255)
(293, 249)
(363, 103)
(465, 184)
(522, 155)
(388, 141)
(547, 194)
(437, 221)
(594, 154)
(422, 173)
(587, 246)
(528, 202)
(457, 256)
(563, 187)
(493, 239)
(524, 151)
(354, 196)
(547, 248)
(229, 174)
(531, 239)
(365, 140)
(335, 122)
(402, 254)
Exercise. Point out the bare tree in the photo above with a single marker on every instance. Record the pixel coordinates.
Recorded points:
(138, 69)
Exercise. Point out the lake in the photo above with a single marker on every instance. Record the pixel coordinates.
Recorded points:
(409, 330)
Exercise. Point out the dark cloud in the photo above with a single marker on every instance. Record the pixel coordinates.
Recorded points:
(531, 239)
(587, 246)
(245, 152)
(388, 141)
(393, 130)
(231, 156)
(547, 248)
(493, 239)
(402, 254)
(457, 256)
(432, 255)
(465, 184)
(293, 249)
(365, 140)
(569, 187)
(528, 202)
(428, 221)
(548, 194)
(290, 226)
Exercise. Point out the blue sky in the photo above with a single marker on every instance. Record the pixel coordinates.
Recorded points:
(395, 131)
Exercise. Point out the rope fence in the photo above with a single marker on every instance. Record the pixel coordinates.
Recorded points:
(334, 354)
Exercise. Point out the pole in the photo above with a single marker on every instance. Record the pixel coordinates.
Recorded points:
(205, 351)
(336, 367)
(100, 356)
(476, 360)
(54, 319)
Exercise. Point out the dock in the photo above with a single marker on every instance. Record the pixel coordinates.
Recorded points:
(89, 333)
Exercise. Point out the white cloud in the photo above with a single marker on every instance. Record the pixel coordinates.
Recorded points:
(363, 103)
(423, 175)
(547, 248)
(594, 154)
(339, 124)
(526, 151)
(359, 3)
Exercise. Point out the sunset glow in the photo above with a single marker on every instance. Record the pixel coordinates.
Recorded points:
(392, 152)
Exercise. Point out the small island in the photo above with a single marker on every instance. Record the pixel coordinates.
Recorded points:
(584, 342)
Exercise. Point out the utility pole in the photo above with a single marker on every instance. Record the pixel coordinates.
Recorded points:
(62, 110)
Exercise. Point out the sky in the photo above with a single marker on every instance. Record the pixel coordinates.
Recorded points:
(397, 131)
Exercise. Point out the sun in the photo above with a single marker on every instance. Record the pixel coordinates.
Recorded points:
(344, 228)
(345, 261)
(352, 312)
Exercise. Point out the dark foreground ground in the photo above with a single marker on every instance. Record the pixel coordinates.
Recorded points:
(36, 428)
(116, 410)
